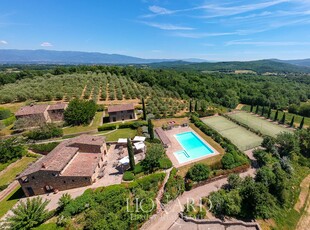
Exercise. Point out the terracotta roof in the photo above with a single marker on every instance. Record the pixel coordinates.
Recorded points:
(31, 110)
(61, 156)
(83, 164)
(118, 108)
(58, 106)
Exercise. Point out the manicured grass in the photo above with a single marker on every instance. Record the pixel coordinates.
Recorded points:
(288, 116)
(121, 133)
(241, 137)
(257, 123)
(9, 175)
(87, 128)
(7, 203)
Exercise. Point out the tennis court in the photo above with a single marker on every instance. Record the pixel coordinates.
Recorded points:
(241, 137)
(264, 126)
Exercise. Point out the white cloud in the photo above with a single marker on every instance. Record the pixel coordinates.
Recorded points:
(160, 10)
(46, 44)
(202, 35)
(167, 26)
(266, 43)
(2, 42)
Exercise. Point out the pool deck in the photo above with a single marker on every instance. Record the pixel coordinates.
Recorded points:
(176, 146)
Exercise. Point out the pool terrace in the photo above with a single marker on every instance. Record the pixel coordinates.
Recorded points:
(175, 146)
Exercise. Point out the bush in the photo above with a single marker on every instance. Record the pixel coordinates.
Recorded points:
(174, 187)
(132, 124)
(46, 131)
(138, 169)
(165, 163)
(43, 148)
(233, 159)
(198, 172)
(4, 114)
(9, 121)
(107, 127)
(128, 176)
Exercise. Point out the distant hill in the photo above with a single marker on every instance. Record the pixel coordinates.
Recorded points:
(261, 66)
(300, 62)
(11, 56)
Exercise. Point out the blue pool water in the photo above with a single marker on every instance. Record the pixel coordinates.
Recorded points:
(193, 147)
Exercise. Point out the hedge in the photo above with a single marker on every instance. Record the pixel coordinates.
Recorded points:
(165, 163)
(132, 124)
(43, 148)
(128, 176)
(107, 127)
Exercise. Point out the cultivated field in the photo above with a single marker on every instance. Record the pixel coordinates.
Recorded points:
(258, 123)
(238, 135)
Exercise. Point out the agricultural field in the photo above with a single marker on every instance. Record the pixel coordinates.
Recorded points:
(241, 137)
(258, 123)
(100, 87)
(289, 116)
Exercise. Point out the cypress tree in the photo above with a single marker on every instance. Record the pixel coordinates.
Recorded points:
(257, 108)
(263, 110)
(269, 113)
(130, 154)
(276, 115)
(144, 111)
(251, 110)
(302, 123)
(150, 129)
(196, 106)
(190, 106)
(292, 121)
(283, 119)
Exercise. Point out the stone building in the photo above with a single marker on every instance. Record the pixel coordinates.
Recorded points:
(121, 112)
(34, 115)
(73, 163)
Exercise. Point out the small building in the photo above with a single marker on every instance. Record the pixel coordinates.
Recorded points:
(56, 111)
(33, 112)
(38, 114)
(74, 163)
(121, 112)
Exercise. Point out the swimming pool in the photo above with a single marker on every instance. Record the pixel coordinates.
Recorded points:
(193, 147)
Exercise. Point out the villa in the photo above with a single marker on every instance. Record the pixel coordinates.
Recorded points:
(73, 163)
(121, 112)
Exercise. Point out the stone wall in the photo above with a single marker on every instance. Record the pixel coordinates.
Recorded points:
(122, 115)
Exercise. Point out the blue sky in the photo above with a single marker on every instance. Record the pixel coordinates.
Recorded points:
(208, 29)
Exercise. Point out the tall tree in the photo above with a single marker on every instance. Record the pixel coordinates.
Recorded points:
(269, 113)
(283, 119)
(276, 115)
(196, 106)
(263, 110)
(302, 123)
(130, 154)
(190, 106)
(144, 110)
(292, 121)
(257, 108)
(252, 106)
(150, 129)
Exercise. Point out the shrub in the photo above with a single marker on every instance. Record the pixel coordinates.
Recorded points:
(174, 187)
(153, 154)
(198, 172)
(138, 169)
(10, 149)
(132, 124)
(9, 121)
(46, 131)
(107, 127)
(165, 163)
(43, 148)
(233, 159)
(128, 176)
(4, 114)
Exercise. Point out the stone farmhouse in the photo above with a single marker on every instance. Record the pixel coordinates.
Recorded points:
(42, 113)
(121, 112)
(73, 163)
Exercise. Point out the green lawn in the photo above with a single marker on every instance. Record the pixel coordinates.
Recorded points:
(7, 203)
(9, 175)
(87, 128)
(258, 123)
(241, 137)
(288, 116)
(120, 133)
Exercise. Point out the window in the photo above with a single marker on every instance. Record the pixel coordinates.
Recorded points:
(85, 178)
(72, 180)
(33, 177)
(64, 181)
